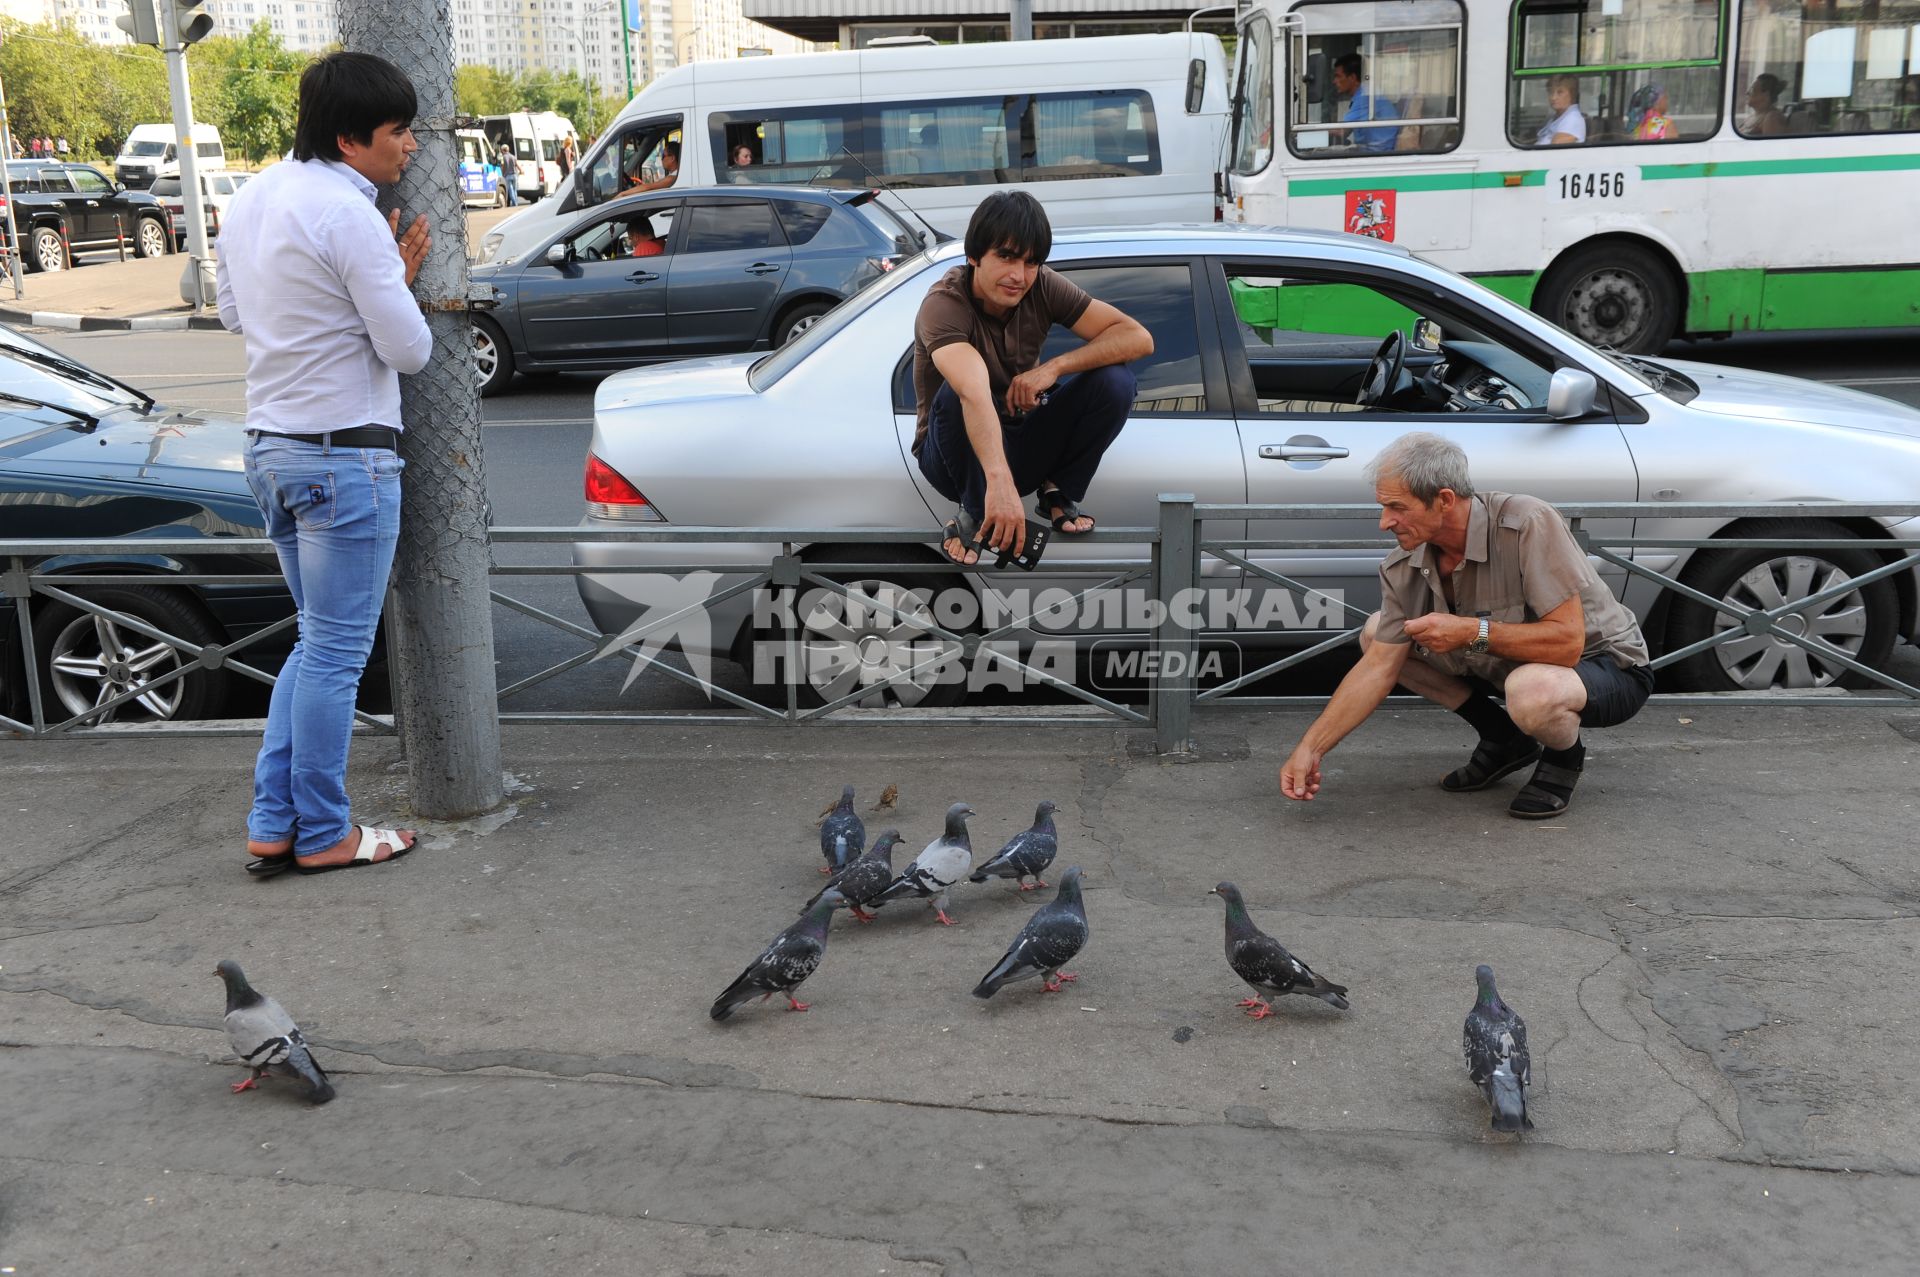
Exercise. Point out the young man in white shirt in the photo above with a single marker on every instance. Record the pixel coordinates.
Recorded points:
(311, 275)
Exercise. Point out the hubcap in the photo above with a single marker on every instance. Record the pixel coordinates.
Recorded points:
(1610, 308)
(93, 660)
(853, 642)
(1756, 662)
(485, 357)
(801, 325)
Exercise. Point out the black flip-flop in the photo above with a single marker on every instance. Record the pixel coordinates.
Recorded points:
(1053, 498)
(965, 529)
(371, 840)
(270, 866)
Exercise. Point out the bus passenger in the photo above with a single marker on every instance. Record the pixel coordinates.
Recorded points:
(742, 155)
(1647, 111)
(1906, 107)
(1350, 83)
(1568, 127)
(1764, 117)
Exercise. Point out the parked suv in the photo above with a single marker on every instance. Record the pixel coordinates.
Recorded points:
(61, 206)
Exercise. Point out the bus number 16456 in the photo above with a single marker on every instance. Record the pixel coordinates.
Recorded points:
(1589, 186)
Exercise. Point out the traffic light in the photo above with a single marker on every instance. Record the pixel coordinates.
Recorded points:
(192, 21)
(138, 22)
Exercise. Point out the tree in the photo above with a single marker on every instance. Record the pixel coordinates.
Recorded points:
(252, 87)
(485, 90)
(61, 85)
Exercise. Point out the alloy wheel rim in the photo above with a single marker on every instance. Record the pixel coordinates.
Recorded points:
(151, 240)
(52, 256)
(92, 660)
(847, 642)
(1757, 662)
(485, 357)
(801, 325)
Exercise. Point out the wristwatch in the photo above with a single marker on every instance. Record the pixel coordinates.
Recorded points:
(1482, 640)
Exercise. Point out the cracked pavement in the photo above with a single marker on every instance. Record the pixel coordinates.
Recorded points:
(1715, 953)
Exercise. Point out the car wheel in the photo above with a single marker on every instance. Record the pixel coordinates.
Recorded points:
(798, 320)
(843, 643)
(49, 251)
(1616, 295)
(492, 357)
(151, 240)
(86, 659)
(1860, 623)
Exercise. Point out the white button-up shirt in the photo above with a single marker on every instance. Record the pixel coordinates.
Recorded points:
(310, 274)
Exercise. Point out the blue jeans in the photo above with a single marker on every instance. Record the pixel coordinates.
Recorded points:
(513, 191)
(334, 517)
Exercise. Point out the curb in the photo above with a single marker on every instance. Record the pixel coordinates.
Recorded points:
(163, 322)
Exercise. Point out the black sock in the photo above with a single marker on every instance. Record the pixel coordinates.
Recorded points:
(1573, 757)
(1488, 718)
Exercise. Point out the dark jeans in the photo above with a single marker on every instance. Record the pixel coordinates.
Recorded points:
(1060, 441)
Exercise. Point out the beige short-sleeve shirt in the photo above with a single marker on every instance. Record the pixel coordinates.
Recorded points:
(1521, 563)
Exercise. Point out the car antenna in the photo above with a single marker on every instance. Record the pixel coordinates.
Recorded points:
(938, 237)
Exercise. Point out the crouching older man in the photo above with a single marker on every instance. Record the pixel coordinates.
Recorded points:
(1488, 593)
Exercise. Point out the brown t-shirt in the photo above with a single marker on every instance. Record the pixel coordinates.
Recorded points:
(1010, 344)
(1521, 563)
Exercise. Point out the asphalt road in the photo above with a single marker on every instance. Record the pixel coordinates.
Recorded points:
(536, 437)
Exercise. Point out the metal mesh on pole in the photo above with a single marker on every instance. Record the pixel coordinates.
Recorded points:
(441, 613)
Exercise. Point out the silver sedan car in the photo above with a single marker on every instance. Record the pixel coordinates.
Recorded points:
(1283, 362)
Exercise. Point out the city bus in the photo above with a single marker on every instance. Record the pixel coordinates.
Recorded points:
(1634, 170)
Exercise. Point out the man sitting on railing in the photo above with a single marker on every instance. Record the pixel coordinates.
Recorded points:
(1488, 592)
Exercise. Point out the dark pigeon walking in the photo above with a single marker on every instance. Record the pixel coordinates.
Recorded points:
(945, 861)
(1265, 964)
(1495, 1044)
(843, 835)
(265, 1037)
(1028, 853)
(864, 879)
(1055, 933)
(786, 963)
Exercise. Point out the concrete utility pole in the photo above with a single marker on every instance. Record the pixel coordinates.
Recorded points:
(442, 617)
(1022, 15)
(197, 285)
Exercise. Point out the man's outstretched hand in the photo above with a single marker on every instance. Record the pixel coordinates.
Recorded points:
(1300, 777)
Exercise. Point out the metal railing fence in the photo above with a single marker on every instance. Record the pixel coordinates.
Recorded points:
(1176, 549)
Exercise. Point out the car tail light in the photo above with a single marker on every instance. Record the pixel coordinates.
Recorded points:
(610, 496)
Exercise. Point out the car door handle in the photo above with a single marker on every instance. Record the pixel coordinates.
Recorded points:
(761, 268)
(1300, 452)
(642, 277)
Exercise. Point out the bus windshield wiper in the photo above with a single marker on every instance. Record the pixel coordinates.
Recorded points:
(61, 364)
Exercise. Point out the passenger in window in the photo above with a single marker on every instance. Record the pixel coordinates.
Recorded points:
(742, 155)
(1350, 83)
(1906, 107)
(1568, 127)
(669, 161)
(994, 423)
(1764, 118)
(1647, 112)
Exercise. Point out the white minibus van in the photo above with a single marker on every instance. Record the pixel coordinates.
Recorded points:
(1106, 129)
(150, 152)
(535, 138)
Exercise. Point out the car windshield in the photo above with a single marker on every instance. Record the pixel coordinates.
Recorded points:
(31, 371)
(145, 148)
(773, 367)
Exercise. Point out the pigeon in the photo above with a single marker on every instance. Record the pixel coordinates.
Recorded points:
(1029, 852)
(1264, 963)
(863, 879)
(842, 834)
(888, 797)
(945, 861)
(1048, 942)
(786, 962)
(1495, 1044)
(265, 1036)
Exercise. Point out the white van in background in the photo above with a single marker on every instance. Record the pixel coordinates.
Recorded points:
(150, 152)
(535, 138)
(1106, 129)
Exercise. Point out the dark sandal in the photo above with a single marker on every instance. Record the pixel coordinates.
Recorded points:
(1547, 794)
(965, 529)
(1054, 499)
(1491, 760)
(270, 866)
(371, 841)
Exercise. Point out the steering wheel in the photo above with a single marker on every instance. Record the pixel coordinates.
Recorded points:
(1383, 373)
(590, 254)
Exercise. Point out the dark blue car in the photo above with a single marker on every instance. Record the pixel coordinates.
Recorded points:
(677, 274)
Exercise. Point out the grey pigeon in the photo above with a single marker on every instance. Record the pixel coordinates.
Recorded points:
(843, 835)
(945, 861)
(1048, 942)
(1495, 1044)
(265, 1037)
(864, 879)
(1265, 964)
(1029, 852)
(786, 962)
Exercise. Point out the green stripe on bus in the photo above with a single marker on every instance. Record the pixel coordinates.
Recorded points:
(1721, 301)
(1411, 182)
(1770, 168)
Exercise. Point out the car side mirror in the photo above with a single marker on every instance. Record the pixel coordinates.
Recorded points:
(1570, 394)
(117, 187)
(557, 255)
(1426, 335)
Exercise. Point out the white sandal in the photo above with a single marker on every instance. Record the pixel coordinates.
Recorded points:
(371, 841)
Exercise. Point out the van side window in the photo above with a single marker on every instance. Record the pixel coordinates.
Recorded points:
(625, 160)
(1834, 70)
(1103, 133)
(1369, 79)
(209, 151)
(953, 142)
(802, 146)
(1610, 71)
